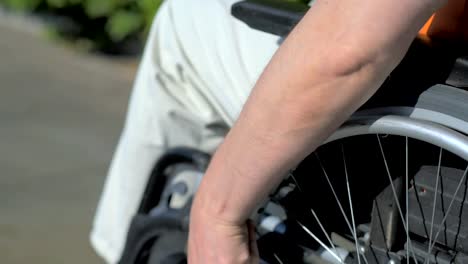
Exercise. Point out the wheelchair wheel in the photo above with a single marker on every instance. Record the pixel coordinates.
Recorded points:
(390, 186)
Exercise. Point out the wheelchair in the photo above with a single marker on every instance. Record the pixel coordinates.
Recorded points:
(389, 186)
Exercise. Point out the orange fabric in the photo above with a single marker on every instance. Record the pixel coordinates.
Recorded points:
(424, 30)
(449, 22)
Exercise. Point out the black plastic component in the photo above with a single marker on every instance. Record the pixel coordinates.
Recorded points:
(144, 233)
(158, 177)
(453, 233)
(273, 16)
(435, 257)
(425, 65)
(160, 236)
(174, 259)
(459, 75)
(385, 225)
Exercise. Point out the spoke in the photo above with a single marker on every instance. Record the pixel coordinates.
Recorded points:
(351, 206)
(435, 202)
(395, 196)
(295, 181)
(449, 208)
(320, 242)
(417, 190)
(315, 215)
(323, 230)
(365, 259)
(277, 258)
(460, 215)
(407, 200)
(391, 183)
(334, 194)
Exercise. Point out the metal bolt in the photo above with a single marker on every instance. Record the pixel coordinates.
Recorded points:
(362, 249)
(422, 191)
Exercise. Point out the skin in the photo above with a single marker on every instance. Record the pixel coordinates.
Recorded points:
(332, 62)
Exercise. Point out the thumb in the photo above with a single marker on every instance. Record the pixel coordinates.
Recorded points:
(253, 242)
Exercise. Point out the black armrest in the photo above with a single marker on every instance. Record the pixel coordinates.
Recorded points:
(273, 16)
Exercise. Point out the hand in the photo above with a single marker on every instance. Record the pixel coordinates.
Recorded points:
(213, 241)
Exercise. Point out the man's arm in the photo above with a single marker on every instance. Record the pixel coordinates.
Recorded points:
(331, 63)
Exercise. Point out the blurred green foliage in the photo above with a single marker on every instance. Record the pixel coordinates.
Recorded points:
(106, 24)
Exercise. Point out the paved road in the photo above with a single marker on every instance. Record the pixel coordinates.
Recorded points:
(60, 116)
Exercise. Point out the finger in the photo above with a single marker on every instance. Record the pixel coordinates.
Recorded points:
(253, 247)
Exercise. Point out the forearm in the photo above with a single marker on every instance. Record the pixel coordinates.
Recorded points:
(330, 64)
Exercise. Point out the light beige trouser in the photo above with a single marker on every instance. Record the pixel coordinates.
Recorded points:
(197, 70)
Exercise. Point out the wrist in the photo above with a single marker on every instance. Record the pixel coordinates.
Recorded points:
(215, 205)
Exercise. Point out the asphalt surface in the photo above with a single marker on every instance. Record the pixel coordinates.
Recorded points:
(60, 116)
